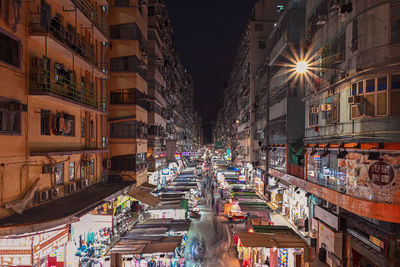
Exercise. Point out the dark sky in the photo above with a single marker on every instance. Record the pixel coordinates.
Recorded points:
(207, 35)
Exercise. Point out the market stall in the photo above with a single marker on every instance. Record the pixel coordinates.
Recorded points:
(89, 240)
(273, 246)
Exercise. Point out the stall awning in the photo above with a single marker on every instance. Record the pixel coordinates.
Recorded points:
(128, 247)
(161, 247)
(61, 211)
(147, 187)
(281, 237)
(144, 197)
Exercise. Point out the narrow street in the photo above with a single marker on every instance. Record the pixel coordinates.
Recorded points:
(214, 232)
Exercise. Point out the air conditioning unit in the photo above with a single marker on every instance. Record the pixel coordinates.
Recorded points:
(355, 99)
(326, 107)
(53, 193)
(41, 196)
(314, 110)
(70, 188)
(108, 165)
(83, 183)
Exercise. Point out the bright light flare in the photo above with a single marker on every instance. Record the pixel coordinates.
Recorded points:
(301, 67)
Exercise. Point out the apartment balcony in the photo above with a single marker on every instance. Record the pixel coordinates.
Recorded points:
(62, 89)
(53, 35)
(128, 163)
(129, 97)
(295, 170)
(87, 14)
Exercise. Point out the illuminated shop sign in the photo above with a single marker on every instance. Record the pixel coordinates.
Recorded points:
(381, 173)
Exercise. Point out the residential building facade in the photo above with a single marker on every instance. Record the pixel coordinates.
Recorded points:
(330, 137)
(83, 93)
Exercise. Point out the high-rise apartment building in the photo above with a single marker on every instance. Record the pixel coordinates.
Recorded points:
(78, 103)
(128, 89)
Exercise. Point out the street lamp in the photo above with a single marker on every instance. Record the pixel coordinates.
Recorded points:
(301, 67)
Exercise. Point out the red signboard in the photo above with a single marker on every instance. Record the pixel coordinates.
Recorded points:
(381, 173)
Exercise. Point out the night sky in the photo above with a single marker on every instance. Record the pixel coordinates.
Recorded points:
(207, 35)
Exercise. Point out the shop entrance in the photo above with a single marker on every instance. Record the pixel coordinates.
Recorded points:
(360, 260)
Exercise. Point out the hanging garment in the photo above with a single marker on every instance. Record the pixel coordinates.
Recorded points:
(90, 238)
(68, 127)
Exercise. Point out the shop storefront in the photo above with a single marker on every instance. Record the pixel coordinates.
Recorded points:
(166, 252)
(123, 206)
(370, 242)
(41, 249)
(277, 159)
(259, 180)
(329, 245)
(296, 207)
(358, 174)
(261, 249)
(275, 193)
(89, 240)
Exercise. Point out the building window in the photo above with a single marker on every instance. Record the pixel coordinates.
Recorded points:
(82, 171)
(128, 64)
(71, 171)
(330, 110)
(374, 98)
(395, 31)
(91, 129)
(104, 141)
(10, 117)
(259, 27)
(370, 86)
(45, 122)
(131, 129)
(129, 31)
(395, 94)
(92, 166)
(361, 87)
(313, 115)
(10, 51)
(262, 44)
(63, 124)
(59, 174)
(129, 96)
(82, 127)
